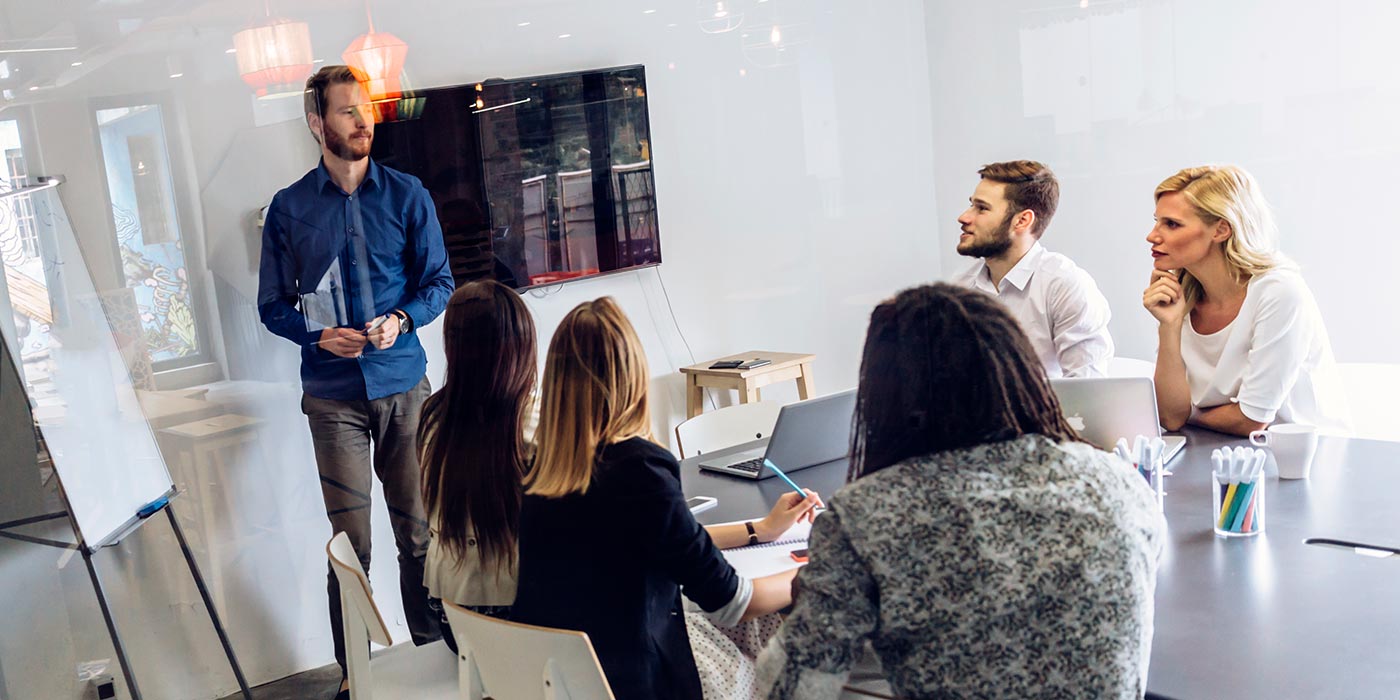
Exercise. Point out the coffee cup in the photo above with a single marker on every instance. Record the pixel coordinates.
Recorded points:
(1293, 446)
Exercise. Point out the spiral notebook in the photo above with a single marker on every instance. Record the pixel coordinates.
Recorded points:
(768, 558)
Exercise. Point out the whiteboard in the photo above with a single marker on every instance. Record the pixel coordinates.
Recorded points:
(77, 385)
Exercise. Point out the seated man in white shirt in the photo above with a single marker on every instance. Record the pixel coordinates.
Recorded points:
(1057, 304)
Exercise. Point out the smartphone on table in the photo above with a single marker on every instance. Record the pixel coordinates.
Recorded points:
(700, 504)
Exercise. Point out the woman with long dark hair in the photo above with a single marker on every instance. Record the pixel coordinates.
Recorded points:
(473, 447)
(982, 547)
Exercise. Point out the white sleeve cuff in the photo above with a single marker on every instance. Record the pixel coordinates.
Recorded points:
(730, 614)
(1255, 413)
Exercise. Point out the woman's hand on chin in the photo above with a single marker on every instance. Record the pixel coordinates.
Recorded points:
(1164, 299)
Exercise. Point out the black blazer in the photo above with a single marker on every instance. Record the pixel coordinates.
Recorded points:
(611, 563)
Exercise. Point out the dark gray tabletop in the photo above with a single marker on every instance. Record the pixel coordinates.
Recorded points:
(1260, 617)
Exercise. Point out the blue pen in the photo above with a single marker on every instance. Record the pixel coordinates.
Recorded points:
(780, 473)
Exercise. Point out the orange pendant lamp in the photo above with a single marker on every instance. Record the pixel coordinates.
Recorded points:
(378, 57)
(274, 56)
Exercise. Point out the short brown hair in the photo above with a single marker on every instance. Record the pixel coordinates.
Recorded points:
(1029, 185)
(314, 98)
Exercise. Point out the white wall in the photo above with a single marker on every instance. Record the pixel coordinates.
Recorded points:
(1120, 95)
(791, 199)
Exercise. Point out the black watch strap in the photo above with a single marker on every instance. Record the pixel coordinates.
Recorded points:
(753, 536)
(405, 321)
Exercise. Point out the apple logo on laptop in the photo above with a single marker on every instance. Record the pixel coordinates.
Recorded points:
(1076, 421)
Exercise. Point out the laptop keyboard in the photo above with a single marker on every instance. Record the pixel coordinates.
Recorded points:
(750, 466)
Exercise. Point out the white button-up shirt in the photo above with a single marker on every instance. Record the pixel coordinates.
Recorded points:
(1058, 306)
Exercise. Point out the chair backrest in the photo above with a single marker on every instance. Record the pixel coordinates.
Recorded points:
(354, 587)
(1371, 389)
(729, 426)
(501, 659)
(1130, 367)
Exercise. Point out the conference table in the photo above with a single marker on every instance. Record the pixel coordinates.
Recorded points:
(1260, 617)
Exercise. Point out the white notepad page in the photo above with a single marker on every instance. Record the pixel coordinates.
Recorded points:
(769, 558)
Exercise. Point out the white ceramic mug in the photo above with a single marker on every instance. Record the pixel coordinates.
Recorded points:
(1293, 445)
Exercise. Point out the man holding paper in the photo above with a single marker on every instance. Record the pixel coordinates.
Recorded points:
(352, 263)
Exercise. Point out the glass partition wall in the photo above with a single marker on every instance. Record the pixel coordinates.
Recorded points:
(778, 172)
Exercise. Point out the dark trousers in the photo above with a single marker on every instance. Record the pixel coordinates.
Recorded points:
(350, 438)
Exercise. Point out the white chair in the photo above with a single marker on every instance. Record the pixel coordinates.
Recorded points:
(1129, 367)
(405, 672)
(1371, 389)
(511, 661)
(729, 426)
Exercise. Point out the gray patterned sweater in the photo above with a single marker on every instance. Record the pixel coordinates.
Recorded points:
(1016, 569)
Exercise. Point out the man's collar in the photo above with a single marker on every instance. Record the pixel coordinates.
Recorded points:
(323, 176)
(1020, 275)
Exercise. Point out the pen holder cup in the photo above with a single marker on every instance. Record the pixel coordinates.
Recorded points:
(1238, 508)
(1156, 480)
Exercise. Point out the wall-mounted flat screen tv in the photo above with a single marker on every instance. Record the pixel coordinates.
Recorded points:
(538, 180)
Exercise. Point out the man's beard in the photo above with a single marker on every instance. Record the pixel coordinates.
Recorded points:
(1000, 243)
(344, 149)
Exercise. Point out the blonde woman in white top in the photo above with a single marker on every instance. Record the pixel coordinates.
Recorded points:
(1240, 341)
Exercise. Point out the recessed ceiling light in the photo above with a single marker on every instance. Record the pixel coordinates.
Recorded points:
(177, 75)
(230, 50)
(565, 36)
(671, 24)
(319, 60)
(522, 24)
(75, 64)
(648, 12)
(33, 88)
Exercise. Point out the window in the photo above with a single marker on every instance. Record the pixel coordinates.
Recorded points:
(149, 235)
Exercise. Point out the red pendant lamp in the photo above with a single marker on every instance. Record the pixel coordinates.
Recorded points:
(378, 57)
(274, 56)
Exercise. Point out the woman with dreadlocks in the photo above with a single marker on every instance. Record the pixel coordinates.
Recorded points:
(981, 546)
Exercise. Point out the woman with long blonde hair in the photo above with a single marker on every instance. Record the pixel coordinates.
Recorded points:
(606, 540)
(1240, 341)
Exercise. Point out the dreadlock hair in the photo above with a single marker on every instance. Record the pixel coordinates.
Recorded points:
(945, 368)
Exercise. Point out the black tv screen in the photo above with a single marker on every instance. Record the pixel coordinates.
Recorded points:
(536, 180)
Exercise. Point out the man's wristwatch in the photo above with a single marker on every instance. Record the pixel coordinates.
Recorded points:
(405, 323)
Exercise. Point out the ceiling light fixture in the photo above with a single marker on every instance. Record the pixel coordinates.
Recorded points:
(40, 50)
(274, 55)
(379, 58)
(718, 16)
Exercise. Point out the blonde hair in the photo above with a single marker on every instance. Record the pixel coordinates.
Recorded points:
(594, 394)
(1228, 193)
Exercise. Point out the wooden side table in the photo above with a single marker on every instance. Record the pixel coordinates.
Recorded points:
(748, 382)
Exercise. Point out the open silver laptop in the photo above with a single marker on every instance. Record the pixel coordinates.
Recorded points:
(808, 433)
(1103, 409)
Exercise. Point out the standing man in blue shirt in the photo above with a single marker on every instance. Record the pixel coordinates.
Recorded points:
(374, 232)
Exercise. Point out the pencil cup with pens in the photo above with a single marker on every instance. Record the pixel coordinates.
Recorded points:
(1237, 492)
(1146, 457)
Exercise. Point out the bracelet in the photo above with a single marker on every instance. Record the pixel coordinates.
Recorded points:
(753, 536)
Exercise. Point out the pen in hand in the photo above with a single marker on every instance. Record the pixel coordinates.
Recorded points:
(790, 482)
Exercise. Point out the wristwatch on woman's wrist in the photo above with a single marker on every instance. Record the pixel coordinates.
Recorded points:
(753, 536)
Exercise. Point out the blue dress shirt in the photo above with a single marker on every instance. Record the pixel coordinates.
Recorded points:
(387, 242)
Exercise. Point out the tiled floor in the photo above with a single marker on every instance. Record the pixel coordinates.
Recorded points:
(316, 684)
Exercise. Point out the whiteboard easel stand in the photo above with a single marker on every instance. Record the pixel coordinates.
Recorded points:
(88, 552)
